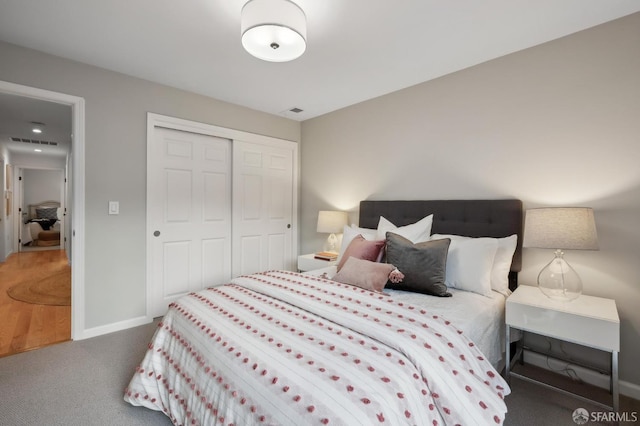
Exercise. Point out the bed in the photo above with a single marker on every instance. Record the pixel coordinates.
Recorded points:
(41, 226)
(281, 347)
(472, 218)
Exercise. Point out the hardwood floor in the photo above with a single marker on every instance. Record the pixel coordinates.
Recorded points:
(25, 326)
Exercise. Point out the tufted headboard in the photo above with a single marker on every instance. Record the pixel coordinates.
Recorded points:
(472, 218)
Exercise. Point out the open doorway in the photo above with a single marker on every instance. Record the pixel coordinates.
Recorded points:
(40, 224)
(35, 304)
(70, 250)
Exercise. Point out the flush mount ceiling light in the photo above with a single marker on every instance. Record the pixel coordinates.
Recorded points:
(37, 126)
(274, 30)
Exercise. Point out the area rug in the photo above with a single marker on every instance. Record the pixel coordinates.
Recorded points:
(54, 289)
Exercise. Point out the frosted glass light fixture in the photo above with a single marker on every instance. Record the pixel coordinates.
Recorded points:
(274, 30)
(568, 228)
(331, 222)
(38, 127)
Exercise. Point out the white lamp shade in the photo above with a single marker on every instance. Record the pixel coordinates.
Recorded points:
(274, 30)
(331, 222)
(569, 228)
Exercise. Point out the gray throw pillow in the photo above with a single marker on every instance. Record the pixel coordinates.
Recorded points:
(47, 213)
(423, 264)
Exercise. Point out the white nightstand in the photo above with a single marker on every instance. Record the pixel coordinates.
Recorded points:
(307, 262)
(588, 321)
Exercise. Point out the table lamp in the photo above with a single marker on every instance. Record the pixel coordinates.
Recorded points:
(331, 222)
(560, 228)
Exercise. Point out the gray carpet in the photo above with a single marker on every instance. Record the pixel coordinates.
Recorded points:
(76, 383)
(533, 405)
(81, 383)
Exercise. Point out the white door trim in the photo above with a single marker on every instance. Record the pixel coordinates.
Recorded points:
(158, 120)
(78, 201)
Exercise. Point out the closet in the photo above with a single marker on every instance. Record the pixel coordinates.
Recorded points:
(220, 203)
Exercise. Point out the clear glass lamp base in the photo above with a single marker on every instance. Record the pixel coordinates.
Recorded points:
(559, 281)
(331, 244)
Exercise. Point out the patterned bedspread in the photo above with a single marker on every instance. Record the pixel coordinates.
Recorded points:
(289, 349)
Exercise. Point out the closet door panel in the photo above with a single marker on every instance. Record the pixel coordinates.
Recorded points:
(177, 206)
(263, 185)
(188, 214)
(276, 251)
(215, 260)
(217, 206)
(251, 259)
(176, 268)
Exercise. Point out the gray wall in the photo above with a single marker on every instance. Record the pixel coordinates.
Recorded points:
(557, 124)
(116, 106)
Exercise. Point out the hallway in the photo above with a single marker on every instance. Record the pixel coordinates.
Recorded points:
(26, 326)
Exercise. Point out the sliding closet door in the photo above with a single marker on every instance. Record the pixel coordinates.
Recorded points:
(188, 213)
(263, 206)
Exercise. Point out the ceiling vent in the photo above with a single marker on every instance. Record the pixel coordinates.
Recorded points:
(296, 110)
(34, 141)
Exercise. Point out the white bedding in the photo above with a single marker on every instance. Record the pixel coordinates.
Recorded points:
(285, 348)
(28, 231)
(484, 326)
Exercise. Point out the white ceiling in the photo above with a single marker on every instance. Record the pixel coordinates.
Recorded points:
(357, 49)
(16, 116)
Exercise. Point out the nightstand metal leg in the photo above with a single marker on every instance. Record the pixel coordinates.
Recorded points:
(614, 381)
(507, 351)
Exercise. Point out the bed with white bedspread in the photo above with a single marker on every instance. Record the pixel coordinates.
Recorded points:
(280, 347)
(485, 327)
(41, 226)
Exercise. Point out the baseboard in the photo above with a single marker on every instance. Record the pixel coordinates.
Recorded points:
(116, 326)
(630, 389)
(591, 377)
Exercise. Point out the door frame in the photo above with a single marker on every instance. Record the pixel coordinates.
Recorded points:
(19, 202)
(77, 243)
(157, 120)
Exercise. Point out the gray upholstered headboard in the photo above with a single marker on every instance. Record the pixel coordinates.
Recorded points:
(473, 218)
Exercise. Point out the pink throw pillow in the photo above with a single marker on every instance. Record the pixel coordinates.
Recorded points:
(365, 274)
(362, 249)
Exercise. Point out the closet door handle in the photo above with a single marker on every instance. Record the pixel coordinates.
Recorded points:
(156, 233)
(288, 225)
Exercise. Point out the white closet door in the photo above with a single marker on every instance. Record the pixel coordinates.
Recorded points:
(188, 213)
(263, 207)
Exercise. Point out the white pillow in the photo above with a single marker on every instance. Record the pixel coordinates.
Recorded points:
(469, 264)
(416, 232)
(501, 262)
(350, 232)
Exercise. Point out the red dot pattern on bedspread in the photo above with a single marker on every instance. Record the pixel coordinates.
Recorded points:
(362, 303)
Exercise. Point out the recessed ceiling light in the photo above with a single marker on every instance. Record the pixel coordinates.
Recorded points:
(37, 150)
(36, 130)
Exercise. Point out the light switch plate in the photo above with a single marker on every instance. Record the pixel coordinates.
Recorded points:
(114, 207)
